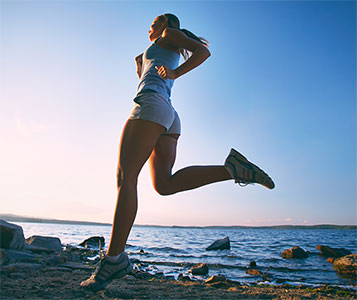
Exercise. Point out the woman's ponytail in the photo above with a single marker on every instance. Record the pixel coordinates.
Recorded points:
(173, 22)
(184, 52)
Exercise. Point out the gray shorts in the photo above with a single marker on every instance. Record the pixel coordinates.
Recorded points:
(152, 106)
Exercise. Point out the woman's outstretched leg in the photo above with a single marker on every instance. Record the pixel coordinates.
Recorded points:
(236, 167)
(162, 160)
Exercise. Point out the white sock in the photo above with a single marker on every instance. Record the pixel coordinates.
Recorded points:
(113, 258)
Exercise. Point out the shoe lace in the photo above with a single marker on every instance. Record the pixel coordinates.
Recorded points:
(102, 260)
(243, 183)
(97, 268)
(101, 252)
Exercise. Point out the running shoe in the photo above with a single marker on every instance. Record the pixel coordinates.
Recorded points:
(106, 271)
(244, 172)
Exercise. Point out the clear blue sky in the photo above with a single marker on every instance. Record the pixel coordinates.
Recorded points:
(280, 87)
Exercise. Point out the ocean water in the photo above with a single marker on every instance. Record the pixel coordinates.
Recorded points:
(173, 250)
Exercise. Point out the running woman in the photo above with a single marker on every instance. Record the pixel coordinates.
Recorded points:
(151, 133)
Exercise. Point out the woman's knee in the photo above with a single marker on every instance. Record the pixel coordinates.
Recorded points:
(126, 178)
(164, 188)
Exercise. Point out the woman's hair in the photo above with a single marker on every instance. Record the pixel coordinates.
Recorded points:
(174, 22)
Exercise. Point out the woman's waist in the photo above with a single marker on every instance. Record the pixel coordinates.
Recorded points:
(155, 92)
(156, 86)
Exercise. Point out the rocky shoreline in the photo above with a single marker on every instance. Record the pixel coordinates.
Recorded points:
(42, 268)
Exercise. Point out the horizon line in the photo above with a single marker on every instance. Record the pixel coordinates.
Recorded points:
(19, 218)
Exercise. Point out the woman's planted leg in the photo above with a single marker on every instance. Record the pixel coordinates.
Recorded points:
(138, 139)
(137, 142)
(162, 160)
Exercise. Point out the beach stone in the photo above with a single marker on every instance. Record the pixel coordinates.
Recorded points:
(159, 275)
(215, 278)
(135, 261)
(94, 242)
(69, 247)
(2, 256)
(267, 277)
(182, 277)
(332, 252)
(143, 275)
(294, 252)
(54, 260)
(346, 265)
(220, 244)
(35, 249)
(330, 260)
(73, 256)
(11, 236)
(200, 269)
(47, 242)
(254, 272)
(252, 264)
(18, 256)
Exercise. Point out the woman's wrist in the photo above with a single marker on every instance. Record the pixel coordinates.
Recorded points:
(176, 74)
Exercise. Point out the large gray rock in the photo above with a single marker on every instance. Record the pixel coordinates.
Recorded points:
(332, 252)
(220, 244)
(11, 236)
(46, 242)
(94, 242)
(10, 255)
(346, 265)
(35, 249)
(294, 252)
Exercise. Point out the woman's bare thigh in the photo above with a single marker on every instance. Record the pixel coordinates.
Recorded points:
(138, 139)
(162, 160)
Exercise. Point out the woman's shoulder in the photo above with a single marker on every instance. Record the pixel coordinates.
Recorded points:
(172, 34)
(168, 39)
(178, 39)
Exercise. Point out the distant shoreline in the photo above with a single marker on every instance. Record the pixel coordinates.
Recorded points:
(16, 218)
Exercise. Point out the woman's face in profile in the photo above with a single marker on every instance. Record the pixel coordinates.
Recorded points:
(156, 29)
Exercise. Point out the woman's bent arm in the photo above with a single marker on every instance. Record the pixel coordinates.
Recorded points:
(179, 40)
(198, 57)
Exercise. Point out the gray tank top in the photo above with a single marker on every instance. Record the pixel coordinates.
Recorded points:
(150, 79)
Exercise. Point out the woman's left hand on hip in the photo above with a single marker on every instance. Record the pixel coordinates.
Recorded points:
(165, 72)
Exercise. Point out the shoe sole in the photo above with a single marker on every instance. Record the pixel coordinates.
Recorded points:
(121, 273)
(267, 181)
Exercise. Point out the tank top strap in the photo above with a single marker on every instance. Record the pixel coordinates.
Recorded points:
(157, 39)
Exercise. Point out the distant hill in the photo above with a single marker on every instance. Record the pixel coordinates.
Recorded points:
(16, 218)
(322, 226)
